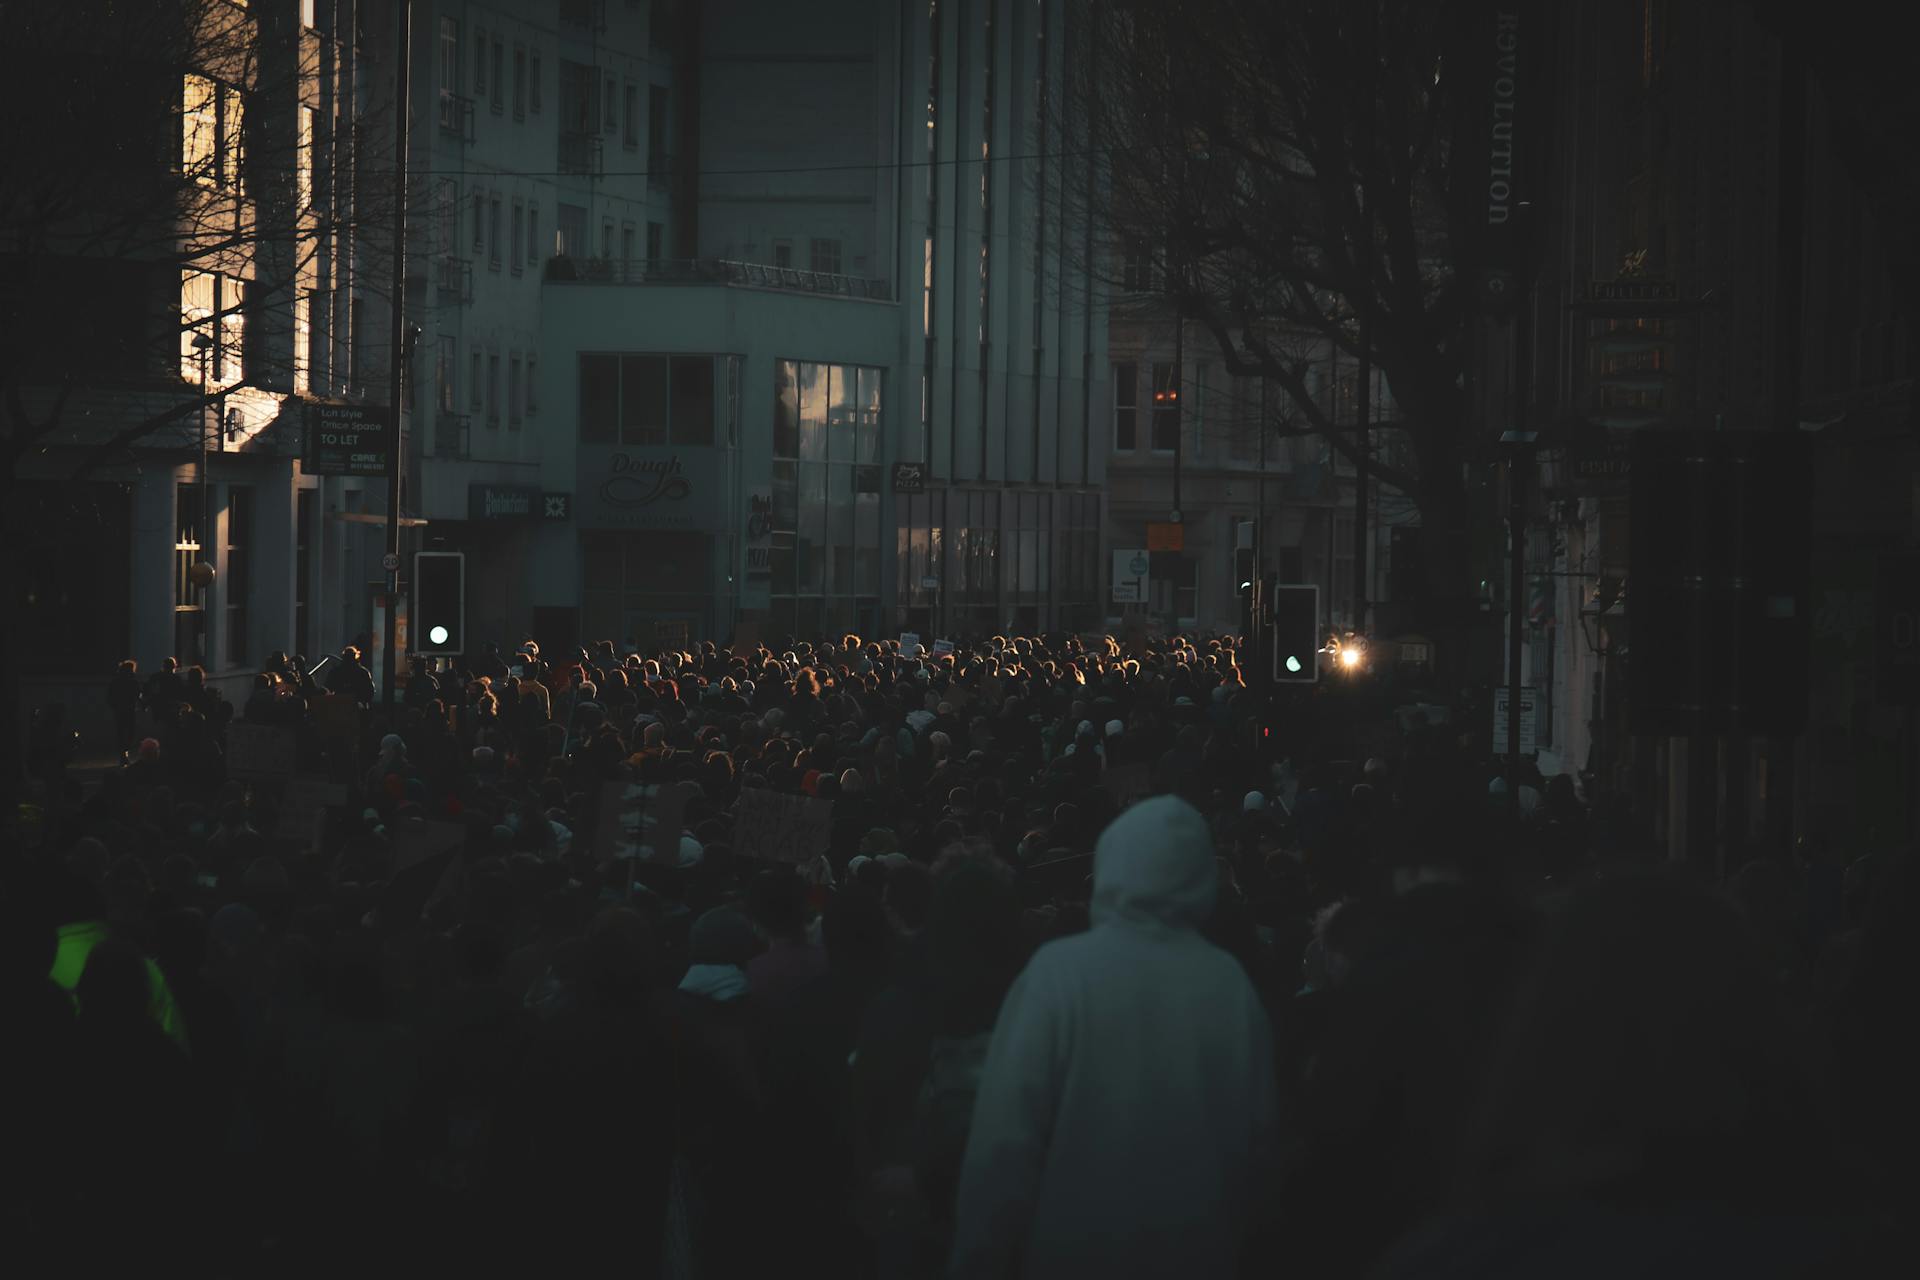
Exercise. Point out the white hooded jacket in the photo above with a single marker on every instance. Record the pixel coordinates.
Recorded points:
(1125, 1117)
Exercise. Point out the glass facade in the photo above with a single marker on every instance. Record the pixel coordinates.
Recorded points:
(972, 562)
(639, 399)
(827, 422)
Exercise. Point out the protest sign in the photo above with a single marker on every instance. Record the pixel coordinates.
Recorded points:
(259, 751)
(1127, 783)
(909, 643)
(781, 828)
(640, 822)
(942, 647)
(415, 842)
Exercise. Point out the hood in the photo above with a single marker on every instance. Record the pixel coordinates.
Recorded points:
(1155, 865)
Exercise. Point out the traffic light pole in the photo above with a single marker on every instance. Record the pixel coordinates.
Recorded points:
(397, 369)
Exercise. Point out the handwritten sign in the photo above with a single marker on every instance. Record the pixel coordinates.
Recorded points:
(640, 822)
(781, 828)
(260, 751)
(1127, 783)
(941, 648)
(909, 643)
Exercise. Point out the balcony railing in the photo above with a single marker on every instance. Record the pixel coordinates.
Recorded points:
(456, 116)
(454, 278)
(450, 433)
(580, 152)
(722, 271)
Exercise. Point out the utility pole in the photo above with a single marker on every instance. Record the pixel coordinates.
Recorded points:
(1363, 306)
(397, 373)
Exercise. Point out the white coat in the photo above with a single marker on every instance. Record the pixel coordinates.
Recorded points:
(1125, 1118)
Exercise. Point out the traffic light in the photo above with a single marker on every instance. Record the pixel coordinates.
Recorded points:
(1296, 633)
(439, 603)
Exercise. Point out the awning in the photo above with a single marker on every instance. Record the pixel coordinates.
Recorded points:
(375, 517)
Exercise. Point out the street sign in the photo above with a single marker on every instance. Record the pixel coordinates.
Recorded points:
(1166, 536)
(345, 440)
(1130, 577)
(1529, 708)
(390, 562)
(556, 506)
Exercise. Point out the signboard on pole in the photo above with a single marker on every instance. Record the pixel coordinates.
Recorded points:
(1529, 710)
(776, 827)
(1130, 577)
(1166, 536)
(345, 440)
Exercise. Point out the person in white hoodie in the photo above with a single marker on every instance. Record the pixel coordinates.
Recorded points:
(1124, 1124)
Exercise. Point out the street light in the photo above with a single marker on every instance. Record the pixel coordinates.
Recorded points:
(201, 573)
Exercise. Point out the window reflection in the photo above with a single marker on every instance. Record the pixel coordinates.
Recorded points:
(826, 491)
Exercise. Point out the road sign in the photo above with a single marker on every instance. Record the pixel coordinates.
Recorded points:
(390, 562)
(1130, 577)
(1529, 708)
(1166, 536)
(345, 440)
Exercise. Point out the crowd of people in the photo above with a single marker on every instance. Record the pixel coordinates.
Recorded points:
(1103, 965)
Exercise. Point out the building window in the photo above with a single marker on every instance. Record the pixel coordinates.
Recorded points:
(479, 61)
(610, 117)
(825, 557)
(572, 240)
(1200, 372)
(533, 233)
(519, 83)
(1166, 409)
(189, 601)
(656, 132)
(493, 234)
(629, 241)
(513, 241)
(630, 119)
(499, 68)
(533, 83)
(533, 385)
(303, 160)
(639, 399)
(656, 242)
(476, 382)
(606, 237)
(826, 256)
(513, 393)
(449, 57)
(237, 581)
(783, 253)
(211, 132)
(1136, 268)
(493, 389)
(444, 396)
(1244, 424)
(302, 342)
(479, 221)
(1126, 377)
(306, 14)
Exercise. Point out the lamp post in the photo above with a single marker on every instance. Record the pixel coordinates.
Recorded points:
(396, 374)
(201, 574)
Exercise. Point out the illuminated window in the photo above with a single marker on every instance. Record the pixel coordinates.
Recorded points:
(303, 160)
(302, 342)
(200, 116)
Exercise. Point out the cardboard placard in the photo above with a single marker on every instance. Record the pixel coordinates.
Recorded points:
(777, 827)
(260, 751)
(640, 822)
(909, 643)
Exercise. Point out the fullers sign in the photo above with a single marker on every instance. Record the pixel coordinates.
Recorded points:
(345, 440)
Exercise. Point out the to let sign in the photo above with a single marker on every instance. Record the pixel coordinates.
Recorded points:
(345, 440)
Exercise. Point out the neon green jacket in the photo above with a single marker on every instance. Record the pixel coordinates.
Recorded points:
(77, 942)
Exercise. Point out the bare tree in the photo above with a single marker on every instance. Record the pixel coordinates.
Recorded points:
(1283, 167)
(175, 169)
